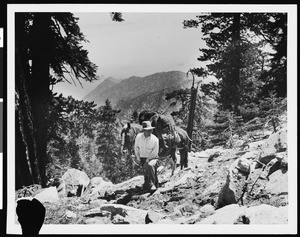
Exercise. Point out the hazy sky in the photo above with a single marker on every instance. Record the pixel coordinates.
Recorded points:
(143, 44)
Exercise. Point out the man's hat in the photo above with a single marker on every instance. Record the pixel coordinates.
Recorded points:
(147, 125)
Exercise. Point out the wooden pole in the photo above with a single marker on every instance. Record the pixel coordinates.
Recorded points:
(192, 110)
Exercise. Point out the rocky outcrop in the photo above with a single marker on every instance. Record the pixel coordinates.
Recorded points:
(74, 182)
(48, 195)
(236, 214)
(243, 177)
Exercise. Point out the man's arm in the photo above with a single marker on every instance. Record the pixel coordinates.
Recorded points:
(136, 148)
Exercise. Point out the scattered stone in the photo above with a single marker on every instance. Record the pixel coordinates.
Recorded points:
(186, 180)
(95, 182)
(75, 182)
(251, 155)
(118, 219)
(283, 158)
(95, 220)
(97, 203)
(130, 214)
(226, 215)
(266, 214)
(153, 217)
(70, 214)
(277, 142)
(101, 188)
(165, 221)
(278, 183)
(213, 189)
(48, 195)
(202, 154)
(206, 210)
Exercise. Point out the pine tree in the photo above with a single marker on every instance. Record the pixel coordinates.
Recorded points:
(107, 144)
(233, 55)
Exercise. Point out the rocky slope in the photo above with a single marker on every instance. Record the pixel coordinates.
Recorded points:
(247, 184)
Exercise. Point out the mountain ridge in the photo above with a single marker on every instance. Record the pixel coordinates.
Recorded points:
(133, 88)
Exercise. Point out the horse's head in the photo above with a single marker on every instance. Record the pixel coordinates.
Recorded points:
(146, 115)
(128, 135)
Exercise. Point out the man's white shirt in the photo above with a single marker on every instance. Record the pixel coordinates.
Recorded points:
(146, 146)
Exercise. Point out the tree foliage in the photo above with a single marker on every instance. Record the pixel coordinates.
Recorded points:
(46, 43)
(234, 55)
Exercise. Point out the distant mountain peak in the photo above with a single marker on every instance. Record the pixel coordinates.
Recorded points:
(138, 88)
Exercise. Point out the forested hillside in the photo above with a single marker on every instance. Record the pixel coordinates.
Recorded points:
(129, 92)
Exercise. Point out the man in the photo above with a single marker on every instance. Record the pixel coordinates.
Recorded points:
(146, 151)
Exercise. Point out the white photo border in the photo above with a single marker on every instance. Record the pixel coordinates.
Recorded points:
(290, 228)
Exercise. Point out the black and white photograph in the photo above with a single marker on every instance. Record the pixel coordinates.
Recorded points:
(151, 119)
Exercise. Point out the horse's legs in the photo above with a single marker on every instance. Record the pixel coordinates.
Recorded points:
(183, 157)
(173, 160)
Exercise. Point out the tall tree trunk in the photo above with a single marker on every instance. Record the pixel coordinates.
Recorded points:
(23, 169)
(39, 91)
(236, 38)
(24, 120)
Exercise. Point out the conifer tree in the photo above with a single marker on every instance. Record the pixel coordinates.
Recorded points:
(233, 54)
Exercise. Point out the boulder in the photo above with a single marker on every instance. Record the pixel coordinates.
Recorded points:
(227, 194)
(95, 182)
(229, 214)
(95, 220)
(234, 187)
(48, 195)
(187, 179)
(166, 221)
(202, 154)
(251, 155)
(278, 183)
(213, 189)
(97, 203)
(206, 210)
(261, 214)
(129, 215)
(131, 183)
(153, 217)
(70, 214)
(101, 188)
(238, 143)
(75, 181)
(283, 159)
(243, 164)
(276, 142)
(267, 215)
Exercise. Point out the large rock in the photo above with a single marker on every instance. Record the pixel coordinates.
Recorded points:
(75, 181)
(129, 215)
(213, 189)
(187, 179)
(251, 155)
(131, 183)
(48, 195)
(266, 214)
(234, 187)
(227, 194)
(95, 182)
(277, 142)
(278, 183)
(206, 210)
(261, 214)
(227, 215)
(99, 188)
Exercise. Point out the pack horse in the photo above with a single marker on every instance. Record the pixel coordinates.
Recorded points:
(128, 135)
(171, 137)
